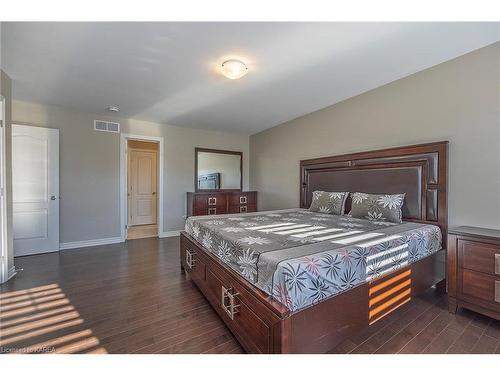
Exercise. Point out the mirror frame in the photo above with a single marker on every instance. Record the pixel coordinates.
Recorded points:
(214, 151)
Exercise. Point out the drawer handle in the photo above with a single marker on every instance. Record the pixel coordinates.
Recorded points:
(243, 209)
(212, 211)
(190, 261)
(497, 291)
(212, 201)
(243, 200)
(230, 308)
(497, 264)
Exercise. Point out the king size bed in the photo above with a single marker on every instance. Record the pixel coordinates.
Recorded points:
(302, 280)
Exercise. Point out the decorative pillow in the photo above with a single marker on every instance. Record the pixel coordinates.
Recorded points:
(378, 207)
(328, 202)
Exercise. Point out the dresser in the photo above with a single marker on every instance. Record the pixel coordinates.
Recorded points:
(474, 270)
(218, 203)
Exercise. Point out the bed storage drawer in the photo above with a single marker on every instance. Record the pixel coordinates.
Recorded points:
(255, 322)
(191, 260)
(224, 295)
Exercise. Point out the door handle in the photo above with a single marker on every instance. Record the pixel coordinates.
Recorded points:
(497, 291)
(52, 197)
(154, 192)
(232, 308)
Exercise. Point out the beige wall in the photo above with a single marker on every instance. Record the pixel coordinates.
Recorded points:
(5, 90)
(457, 101)
(90, 167)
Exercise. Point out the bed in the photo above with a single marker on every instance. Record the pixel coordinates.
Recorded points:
(297, 281)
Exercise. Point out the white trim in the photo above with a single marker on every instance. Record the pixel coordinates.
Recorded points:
(172, 233)
(12, 272)
(5, 272)
(123, 180)
(88, 243)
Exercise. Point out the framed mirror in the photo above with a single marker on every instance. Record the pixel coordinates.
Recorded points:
(217, 170)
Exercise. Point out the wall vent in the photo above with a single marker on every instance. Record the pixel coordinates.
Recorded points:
(106, 126)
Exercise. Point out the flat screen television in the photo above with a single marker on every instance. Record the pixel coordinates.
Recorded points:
(209, 181)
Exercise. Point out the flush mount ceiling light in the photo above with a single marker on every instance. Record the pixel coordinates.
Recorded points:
(234, 69)
(113, 108)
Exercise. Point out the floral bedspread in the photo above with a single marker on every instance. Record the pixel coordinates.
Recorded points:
(302, 257)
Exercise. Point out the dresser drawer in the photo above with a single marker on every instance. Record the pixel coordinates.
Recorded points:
(210, 211)
(224, 297)
(477, 286)
(220, 203)
(479, 256)
(243, 208)
(236, 199)
(210, 200)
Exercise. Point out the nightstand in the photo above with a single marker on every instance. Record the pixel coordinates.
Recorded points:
(474, 270)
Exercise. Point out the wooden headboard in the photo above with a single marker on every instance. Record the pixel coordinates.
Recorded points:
(420, 171)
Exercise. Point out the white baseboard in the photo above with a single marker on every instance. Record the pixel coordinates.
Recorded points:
(172, 233)
(107, 241)
(97, 242)
(12, 272)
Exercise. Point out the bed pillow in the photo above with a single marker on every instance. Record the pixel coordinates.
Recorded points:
(378, 207)
(328, 202)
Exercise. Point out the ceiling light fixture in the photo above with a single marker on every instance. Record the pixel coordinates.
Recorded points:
(113, 108)
(234, 69)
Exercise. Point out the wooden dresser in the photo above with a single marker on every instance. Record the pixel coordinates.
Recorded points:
(218, 203)
(474, 270)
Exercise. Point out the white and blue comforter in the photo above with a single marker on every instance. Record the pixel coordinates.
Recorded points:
(301, 257)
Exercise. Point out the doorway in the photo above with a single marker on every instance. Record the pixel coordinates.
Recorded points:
(35, 189)
(141, 186)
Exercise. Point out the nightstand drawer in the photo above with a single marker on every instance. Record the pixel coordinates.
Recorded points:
(479, 256)
(477, 285)
(474, 270)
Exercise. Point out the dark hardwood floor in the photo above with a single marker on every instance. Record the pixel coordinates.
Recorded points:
(133, 298)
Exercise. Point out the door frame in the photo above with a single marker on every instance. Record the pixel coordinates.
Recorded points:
(4, 253)
(124, 138)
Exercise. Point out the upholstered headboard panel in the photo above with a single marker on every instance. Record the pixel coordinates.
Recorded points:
(420, 171)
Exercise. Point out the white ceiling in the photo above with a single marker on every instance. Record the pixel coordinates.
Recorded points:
(166, 72)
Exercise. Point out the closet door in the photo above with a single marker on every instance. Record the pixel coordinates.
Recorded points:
(35, 187)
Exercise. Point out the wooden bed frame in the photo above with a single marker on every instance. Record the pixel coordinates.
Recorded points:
(263, 325)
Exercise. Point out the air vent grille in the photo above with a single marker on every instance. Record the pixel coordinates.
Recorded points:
(106, 126)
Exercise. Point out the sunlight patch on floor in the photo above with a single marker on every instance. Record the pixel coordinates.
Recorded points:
(43, 320)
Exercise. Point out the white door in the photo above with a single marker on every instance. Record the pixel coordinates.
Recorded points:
(35, 185)
(142, 187)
